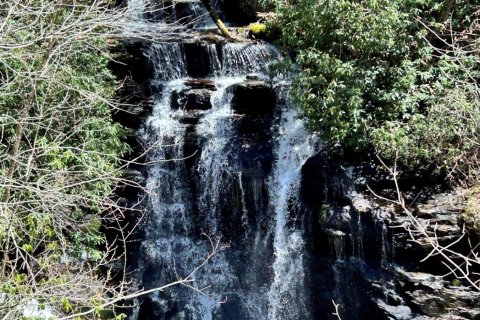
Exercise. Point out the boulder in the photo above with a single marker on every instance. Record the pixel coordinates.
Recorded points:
(192, 99)
(253, 97)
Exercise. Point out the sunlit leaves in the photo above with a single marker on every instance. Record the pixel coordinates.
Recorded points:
(369, 75)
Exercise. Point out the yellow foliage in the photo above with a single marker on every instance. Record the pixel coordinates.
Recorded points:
(257, 28)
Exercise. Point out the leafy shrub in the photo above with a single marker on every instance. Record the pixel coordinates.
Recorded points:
(382, 73)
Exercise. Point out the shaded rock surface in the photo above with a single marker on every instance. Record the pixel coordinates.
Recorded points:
(240, 12)
(192, 99)
(253, 97)
(371, 250)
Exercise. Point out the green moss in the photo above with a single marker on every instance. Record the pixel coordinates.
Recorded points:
(471, 211)
(456, 282)
(322, 214)
(266, 31)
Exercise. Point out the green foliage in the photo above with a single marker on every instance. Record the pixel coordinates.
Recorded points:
(59, 152)
(369, 74)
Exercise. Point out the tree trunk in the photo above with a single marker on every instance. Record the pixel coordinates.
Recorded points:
(216, 19)
(446, 10)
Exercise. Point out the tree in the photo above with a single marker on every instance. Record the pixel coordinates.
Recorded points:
(60, 157)
(397, 76)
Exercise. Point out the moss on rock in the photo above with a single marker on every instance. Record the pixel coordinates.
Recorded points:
(471, 212)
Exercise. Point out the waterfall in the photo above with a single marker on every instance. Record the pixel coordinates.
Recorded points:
(168, 60)
(215, 161)
(241, 58)
(193, 14)
(136, 9)
(224, 160)
(293, 147)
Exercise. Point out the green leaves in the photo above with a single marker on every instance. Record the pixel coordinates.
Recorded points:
(368, 75)
(59, 151)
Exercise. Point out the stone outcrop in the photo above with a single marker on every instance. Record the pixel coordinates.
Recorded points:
(253, 97)
(192, 99)
(371, 250)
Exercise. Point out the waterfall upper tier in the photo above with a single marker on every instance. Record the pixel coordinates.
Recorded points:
(207, 60)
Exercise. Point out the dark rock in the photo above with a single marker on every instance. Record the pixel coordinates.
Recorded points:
(137, 150)
(253, 97)
(324, 180)
(133, 115)
(154, 308)
(192, 99)
(240, 12)
(370, 238)
(191, 119)
(191, 147)
(199, 59)
(128, 61)
(201, 84)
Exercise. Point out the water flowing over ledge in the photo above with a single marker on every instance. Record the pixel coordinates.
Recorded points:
(226, 156)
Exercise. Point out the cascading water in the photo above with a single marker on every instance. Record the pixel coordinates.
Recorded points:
(225, 161)
(168, 61)
(293, 148)
(136, 8)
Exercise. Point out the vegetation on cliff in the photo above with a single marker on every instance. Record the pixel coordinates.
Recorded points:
(398, 77)
(59, 158)
(378, 72)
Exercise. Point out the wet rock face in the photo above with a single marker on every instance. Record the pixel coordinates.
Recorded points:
(253, 98)
(198, 57)
(325, 181)
(365, 240)
(132, 70)
(192, 99)
(240, 12)
(201, 84)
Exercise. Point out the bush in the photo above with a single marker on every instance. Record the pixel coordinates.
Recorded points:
(372, 74)
(59, 155)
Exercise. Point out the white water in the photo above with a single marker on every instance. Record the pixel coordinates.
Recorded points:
(243, 58)
(215, 160)
(182, 206)
(136, 9)
(168, 60)
(243, 202)
(293, 147)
